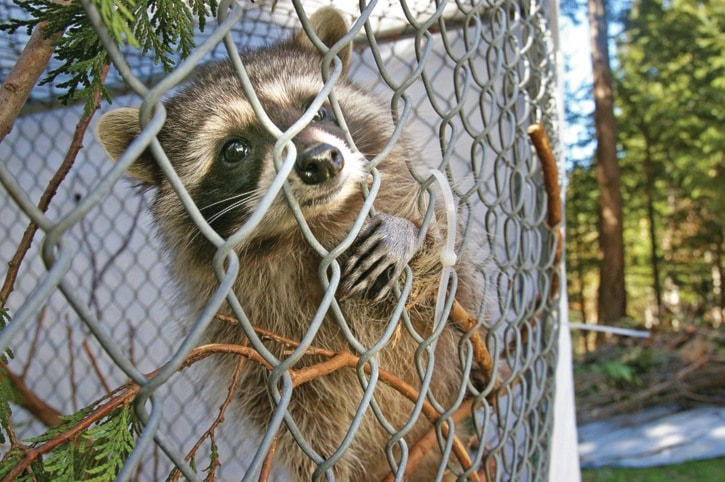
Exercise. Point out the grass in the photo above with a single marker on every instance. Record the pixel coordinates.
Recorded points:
(710, 470)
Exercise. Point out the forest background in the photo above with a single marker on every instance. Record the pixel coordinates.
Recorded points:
(666, 88)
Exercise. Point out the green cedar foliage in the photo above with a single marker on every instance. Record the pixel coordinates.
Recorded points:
(162, 28)
(96, 455)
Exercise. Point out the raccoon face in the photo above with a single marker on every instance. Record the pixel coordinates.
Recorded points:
(231, 166)
(224, 156)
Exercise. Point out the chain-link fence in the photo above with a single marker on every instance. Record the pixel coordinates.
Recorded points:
(94, 304)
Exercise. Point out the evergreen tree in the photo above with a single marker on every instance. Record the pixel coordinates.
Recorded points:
(670, 88)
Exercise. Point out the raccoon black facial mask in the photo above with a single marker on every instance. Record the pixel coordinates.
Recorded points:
(224, 157)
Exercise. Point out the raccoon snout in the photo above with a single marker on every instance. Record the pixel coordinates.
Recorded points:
(319, 163)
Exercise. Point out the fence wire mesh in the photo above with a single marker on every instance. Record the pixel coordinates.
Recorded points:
(93, 305)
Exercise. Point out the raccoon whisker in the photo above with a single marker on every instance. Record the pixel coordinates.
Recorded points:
(230, 198)
(245, 200)
(237, 201)
(241, 200)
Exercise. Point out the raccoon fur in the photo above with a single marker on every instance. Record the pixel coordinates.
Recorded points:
(223, 156)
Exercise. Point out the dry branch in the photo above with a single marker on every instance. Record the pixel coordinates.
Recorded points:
(480, 352)
(176, 473)
(670, 384)
(541, 143)
(344, 359)
(550, 173)
(422, 447)
(267, 465)
(30, 401)
(25, 74)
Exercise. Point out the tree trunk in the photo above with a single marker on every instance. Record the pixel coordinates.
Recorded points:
(649, 192)
(612, 296)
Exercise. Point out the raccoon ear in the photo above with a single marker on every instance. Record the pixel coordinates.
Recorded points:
(115, 131)
(330, 25)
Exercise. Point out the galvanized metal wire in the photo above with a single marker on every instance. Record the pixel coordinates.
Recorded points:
(471, 75)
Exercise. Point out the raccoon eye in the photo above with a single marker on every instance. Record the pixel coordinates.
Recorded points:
(235, 151)
(322, 115)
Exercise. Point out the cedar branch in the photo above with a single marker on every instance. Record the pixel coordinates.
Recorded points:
(126, 393)
(31, 454)
(122, 396)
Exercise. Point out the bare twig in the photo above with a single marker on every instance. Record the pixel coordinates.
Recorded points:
(267, 465)
(131, 342)
(96, 367)
(157, 461)
(71, 364)
(215, 424)
(49, 193)
(99, 273)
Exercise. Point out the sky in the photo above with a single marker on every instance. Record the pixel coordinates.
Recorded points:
(576, 52)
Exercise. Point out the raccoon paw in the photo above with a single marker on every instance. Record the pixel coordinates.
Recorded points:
(380, 253)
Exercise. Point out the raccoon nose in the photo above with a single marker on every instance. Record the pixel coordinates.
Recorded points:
(319, 163)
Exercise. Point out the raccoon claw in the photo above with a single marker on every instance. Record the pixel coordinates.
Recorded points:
(380, 254)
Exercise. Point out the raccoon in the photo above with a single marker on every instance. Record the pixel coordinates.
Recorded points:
(224, 157)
